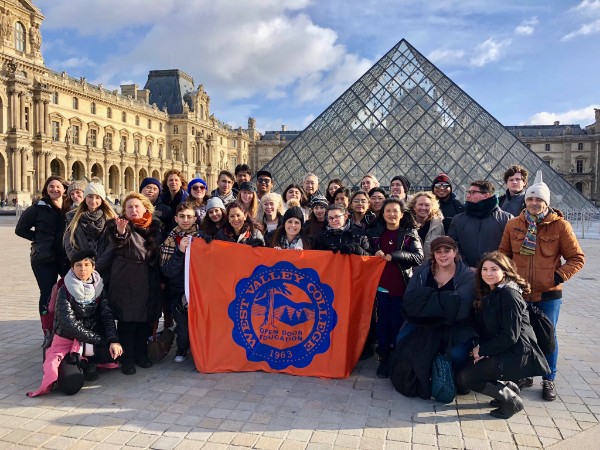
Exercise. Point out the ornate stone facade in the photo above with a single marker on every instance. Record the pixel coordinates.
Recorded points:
(570, 150)
(54, 124)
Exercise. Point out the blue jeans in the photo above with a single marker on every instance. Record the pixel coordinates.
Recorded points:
(551, 308)
(388, 322)
(459, 354)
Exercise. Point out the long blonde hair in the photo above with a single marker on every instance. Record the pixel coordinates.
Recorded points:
(109, 213)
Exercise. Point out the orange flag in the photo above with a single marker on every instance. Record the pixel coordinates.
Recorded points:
(304, 313)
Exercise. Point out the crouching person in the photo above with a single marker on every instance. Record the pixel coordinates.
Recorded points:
(84, 330)
(172, 258)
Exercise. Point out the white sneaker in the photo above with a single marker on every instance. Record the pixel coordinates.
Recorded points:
(179, 358)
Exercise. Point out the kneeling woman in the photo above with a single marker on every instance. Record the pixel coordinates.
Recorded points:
(338, 236)
(134, 285)
(83, 321)
(507, 348)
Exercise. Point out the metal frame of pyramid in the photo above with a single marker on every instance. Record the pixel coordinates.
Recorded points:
(405, 117)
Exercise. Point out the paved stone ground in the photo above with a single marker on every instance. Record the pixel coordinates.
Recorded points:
(173, 406)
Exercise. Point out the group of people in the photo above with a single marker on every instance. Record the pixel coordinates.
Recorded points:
(457, 277)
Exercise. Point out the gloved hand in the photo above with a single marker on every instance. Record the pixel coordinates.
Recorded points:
(348, 249)
(254, 242)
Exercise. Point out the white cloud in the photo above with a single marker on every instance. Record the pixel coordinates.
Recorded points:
(446, 56)
(583, 116)
(489, 51)
(265, 48)
(527, 27)
(74, 63)
(584, 30)
(588, 6)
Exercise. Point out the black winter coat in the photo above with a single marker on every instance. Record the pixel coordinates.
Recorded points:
(343, 240)
(464, 286)
(505, 332)
(90, 322)
(44, 225)
(409, 251)
(165, 214)
(134, 268)
(477, 234)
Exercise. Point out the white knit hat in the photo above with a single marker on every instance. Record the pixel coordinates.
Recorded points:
(538, 189)
(95, 188)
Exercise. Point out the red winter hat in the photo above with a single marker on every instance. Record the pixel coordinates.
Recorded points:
(441, 178)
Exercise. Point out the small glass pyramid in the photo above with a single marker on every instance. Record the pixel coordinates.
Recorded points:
(405, 117)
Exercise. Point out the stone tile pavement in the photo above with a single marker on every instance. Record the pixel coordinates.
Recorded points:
(172, 406)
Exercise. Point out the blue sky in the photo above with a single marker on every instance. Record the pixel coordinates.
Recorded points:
(285, 61)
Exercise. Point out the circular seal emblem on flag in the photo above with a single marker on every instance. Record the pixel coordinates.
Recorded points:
(283, 315)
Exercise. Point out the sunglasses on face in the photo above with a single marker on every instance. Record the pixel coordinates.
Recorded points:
(264, 180)
(198, 188)
(441, 185)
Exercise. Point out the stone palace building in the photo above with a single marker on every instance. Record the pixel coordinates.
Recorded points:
(54, 124)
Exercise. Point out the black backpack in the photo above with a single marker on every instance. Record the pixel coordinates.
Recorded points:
(543, 328)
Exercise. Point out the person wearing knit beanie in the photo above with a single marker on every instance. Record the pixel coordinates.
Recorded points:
(399, 187)
(449, 204)
(294, 211)
(318, 199)
(215, 202)
(538, 189)
(95, 189)
(150, 180)
(195, 181)
(75, 191)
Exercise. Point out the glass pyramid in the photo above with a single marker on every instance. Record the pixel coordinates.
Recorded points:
(405, 117)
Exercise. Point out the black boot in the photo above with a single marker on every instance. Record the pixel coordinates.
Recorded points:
(510, 403)
(383, 371)
(509, 384)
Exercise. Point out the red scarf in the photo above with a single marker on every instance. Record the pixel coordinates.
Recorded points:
(144, 221)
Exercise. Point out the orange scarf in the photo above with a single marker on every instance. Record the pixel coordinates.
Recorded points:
(144, 221)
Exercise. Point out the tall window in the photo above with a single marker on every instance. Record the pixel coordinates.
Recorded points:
(75, 129)
(160, 127)
(580, 146)
(547, 147)
(136, 146)
(55, 98)
(93, 108)
(19, 37)
(93, 137)
(175, 129)
(27, 118)
(109, 112)
(149, 124)
(123, 116)
(55, 131)
(75, 103)
(137, 121)
(109, 139)
(579, 166)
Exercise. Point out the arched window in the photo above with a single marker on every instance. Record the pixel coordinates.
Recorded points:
(20, 37)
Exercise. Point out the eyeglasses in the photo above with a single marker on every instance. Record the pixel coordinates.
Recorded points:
(200, 187)
(335, 218)
(264, 180)
(441, 185)
(474, 192)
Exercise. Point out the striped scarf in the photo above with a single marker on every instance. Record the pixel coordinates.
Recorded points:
(529, 243)
(167, 249)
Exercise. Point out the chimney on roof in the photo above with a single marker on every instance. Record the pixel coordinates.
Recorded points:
(556, 123)
(282, 127)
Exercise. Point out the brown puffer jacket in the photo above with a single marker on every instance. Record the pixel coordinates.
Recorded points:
(555, 239)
